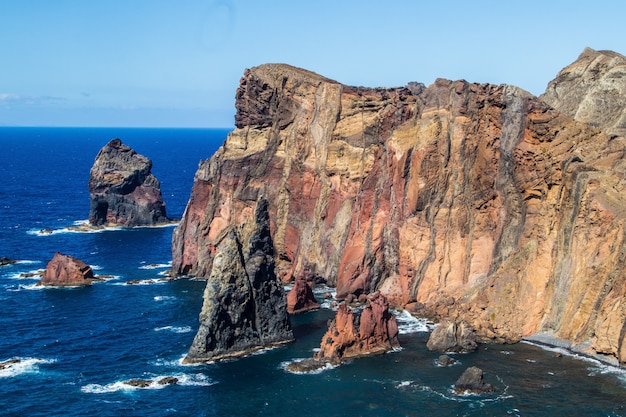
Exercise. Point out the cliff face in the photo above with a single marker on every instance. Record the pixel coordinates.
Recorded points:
(479, 202)
(122, 189)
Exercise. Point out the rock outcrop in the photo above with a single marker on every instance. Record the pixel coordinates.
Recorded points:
(301, 298)
(450, 336)
(244, 305)
(350, 335)
(67, 271)
(592, 90)
(472, 381)
(122, 189)
(6, 261)
(476, 202)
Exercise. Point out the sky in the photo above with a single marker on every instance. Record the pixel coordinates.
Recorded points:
(166, 63)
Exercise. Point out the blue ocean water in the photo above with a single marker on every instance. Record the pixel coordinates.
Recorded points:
(77, 346)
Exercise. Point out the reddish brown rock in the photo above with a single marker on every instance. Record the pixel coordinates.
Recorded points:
(477, 202)
(375, 331)
(301, 298)
(67, 271)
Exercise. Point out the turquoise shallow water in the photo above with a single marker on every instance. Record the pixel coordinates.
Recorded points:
(77, 346)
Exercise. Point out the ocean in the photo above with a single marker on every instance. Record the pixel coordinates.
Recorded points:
(77, 346)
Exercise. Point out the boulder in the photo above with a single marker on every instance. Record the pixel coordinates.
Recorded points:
(471, 381)
(67, 271)
(301, 298)
(122, 189)
(451, 336)
(445, 360)
(244, 306)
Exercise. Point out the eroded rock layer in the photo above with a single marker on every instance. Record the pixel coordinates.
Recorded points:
(477, 202)
(122, 189)
(67, 271)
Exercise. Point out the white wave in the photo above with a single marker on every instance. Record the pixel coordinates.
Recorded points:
(141, 282)
(34, 274)
(31, 287)
(407, 323)
(327, 366)
(174, 329)
(152, 384)
(322, 291)
(403, 384)
(27, 262)
(23, 366)
(156, 266)
(164, 298)
(83, 226)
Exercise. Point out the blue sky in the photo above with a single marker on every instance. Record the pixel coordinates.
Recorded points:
(167, 63)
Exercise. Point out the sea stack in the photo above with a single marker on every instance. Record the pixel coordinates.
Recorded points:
(301, 298)
(244, 305)
(122, 189)
(67, 271)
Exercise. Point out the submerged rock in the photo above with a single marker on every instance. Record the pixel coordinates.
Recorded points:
(244, 305)
(6, 261)
(122, 189)
(472, 381)
(301, 298)
(451, 336)
(67, 271)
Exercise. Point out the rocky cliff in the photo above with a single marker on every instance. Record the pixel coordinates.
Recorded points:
(244, 305)
(122, 189)
(478, 202)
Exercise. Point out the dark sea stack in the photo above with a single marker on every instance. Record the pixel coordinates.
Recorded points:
(452, 336)
(122, 190)
(244, 305)
(471, 381)
(301, 298)
(478, 202)
(67, 271)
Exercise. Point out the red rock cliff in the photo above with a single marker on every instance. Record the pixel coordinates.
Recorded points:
(479, 202)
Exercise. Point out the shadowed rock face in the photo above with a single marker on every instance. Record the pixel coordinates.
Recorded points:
(67, 271)
(244, 305)
(477, 202)
(122, 190)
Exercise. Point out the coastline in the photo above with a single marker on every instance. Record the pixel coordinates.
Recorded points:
(550, 342)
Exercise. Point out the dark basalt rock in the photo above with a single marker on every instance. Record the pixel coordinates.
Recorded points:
(445, 360)
(122, 189)
(244, 302)
(472, 381)
(6, 261)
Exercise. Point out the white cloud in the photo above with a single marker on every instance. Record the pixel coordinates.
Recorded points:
(10, 99)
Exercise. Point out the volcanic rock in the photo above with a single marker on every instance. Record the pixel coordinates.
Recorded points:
(472, 381)
(122, 189)
(67, 271)
(445, 360)
(450, 336)
(592, 90)
(244, 305)
(349, 336)
(6, 261)
(301, 298)
(477, 202)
